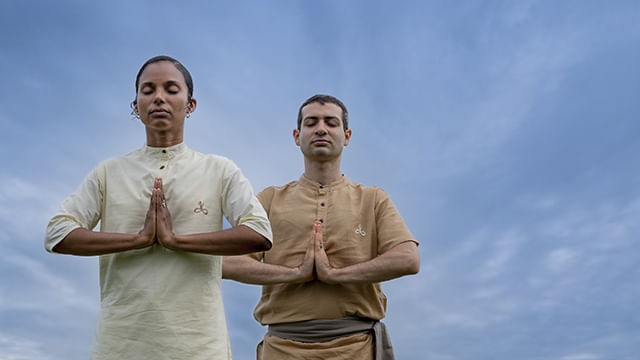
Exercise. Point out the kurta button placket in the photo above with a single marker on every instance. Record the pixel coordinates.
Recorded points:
(166, 157)
(321, 209)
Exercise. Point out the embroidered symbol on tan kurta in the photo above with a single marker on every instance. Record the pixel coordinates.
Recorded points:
(201, 209)
(360, 231)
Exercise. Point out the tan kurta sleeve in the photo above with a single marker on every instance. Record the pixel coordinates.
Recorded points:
(390, 226)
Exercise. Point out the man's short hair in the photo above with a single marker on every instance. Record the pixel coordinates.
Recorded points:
(323, 99)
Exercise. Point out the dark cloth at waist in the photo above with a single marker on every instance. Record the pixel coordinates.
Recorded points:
(311, 331)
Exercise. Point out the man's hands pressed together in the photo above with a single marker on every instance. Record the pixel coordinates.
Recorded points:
(306, 270)
(401, 260)
(315, 263)
(324, 270)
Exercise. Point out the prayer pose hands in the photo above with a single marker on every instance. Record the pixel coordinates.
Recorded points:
(157, 224)
(316, 262)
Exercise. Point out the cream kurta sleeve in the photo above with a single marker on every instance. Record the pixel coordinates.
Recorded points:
(83, 209)
(240, 206)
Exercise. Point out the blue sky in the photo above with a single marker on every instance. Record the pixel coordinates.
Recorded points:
(504, 131)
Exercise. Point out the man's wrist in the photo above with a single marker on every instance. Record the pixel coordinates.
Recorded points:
(333, 276)
(298, 276)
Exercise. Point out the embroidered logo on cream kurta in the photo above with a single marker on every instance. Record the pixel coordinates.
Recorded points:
(360, 230)
(201, 209)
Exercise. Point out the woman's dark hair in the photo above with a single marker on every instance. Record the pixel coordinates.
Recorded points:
(178, 65)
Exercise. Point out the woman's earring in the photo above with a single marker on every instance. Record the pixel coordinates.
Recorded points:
(134, 112)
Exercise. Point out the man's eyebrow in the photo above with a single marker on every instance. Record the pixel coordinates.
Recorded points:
(313, 117)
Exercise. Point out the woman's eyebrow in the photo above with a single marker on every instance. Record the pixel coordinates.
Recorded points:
(168, 82)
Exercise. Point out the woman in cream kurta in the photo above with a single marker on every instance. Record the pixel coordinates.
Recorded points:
(160, 210)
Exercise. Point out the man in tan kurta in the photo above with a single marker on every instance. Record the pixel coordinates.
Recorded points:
(335, 241)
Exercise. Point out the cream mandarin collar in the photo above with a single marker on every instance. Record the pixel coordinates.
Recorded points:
(306, 182)
(170, 151)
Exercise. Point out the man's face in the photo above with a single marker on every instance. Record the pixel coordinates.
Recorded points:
(162, 97)
(321, 136)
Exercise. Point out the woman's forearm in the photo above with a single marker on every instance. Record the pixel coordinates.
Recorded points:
(235, 241)
(85, 242)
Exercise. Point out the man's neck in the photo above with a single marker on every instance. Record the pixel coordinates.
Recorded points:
(324, 172)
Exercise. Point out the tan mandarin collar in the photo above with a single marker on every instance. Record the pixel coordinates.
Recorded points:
(310, 184)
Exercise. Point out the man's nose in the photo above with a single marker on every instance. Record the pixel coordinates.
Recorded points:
(321, 128)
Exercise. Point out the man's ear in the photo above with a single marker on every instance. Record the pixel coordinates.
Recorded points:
(296, 136)
(347, 136)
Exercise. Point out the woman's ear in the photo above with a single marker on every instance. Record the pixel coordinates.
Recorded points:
(134, 108)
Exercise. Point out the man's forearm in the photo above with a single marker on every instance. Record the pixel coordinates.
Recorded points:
(85, 242)
(251, 271)
(401, 260)
(235, 241)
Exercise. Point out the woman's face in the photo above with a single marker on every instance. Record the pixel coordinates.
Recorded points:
(161, 100)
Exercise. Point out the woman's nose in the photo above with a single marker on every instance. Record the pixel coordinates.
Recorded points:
(159, 97)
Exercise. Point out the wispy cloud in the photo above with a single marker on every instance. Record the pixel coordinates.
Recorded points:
(526, 71)
(37, 278)
(581, 356)
(25, 206)
(17, 348)
(561, 259)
